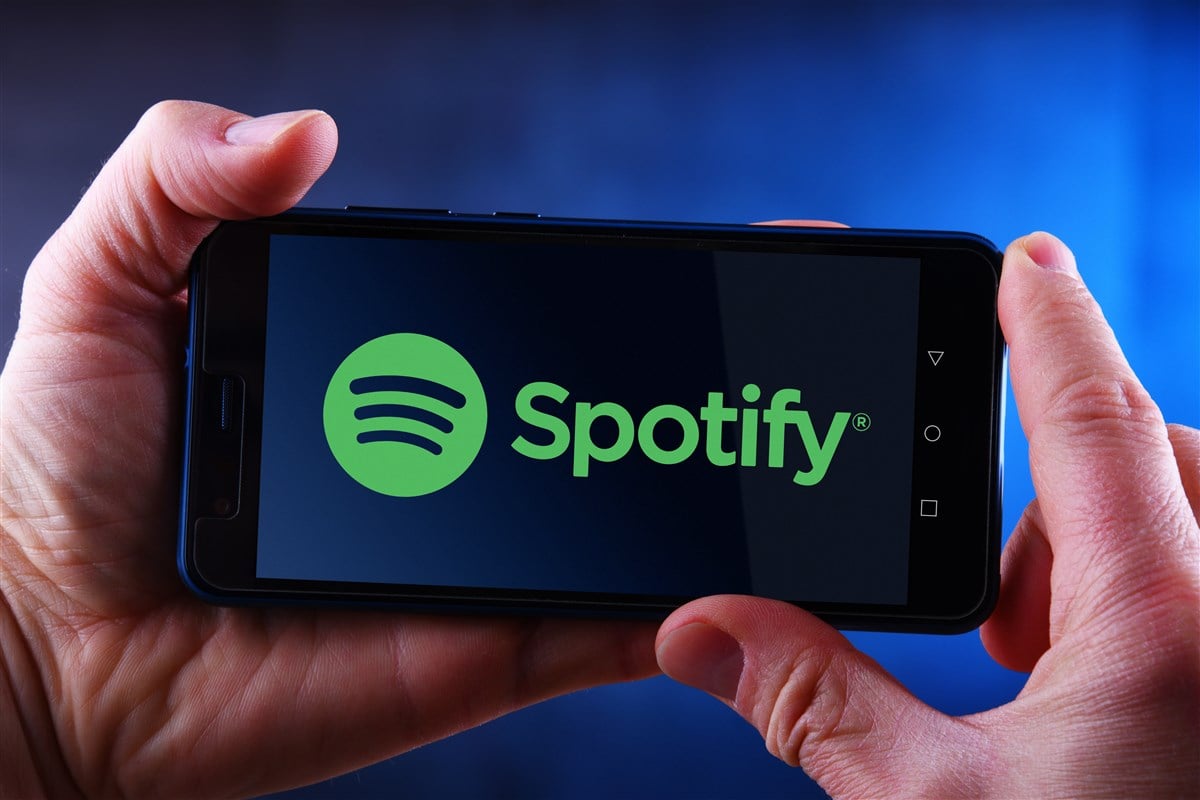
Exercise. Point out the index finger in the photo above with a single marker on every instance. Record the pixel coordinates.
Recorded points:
(1102, 464)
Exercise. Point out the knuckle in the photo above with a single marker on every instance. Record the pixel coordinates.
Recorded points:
(1097, 387)
(1105, 401)
(809, 711)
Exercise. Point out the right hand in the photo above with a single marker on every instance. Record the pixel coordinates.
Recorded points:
(1100, 598)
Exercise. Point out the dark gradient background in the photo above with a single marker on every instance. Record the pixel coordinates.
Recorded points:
(635, 325)
(997, 118)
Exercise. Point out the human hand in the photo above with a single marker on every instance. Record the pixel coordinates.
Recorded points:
(115, 680)
(1100, 598)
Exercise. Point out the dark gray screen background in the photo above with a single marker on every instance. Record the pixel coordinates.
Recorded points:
(638, 326)
(848, 328)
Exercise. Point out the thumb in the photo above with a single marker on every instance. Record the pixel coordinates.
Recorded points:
(184, 166)
(819, 703)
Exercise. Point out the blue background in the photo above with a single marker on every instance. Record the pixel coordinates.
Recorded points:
(997, 118)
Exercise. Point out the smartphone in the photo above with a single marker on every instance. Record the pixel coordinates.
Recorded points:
(507, 413)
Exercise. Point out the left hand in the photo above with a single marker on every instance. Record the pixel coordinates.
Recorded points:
(114, 680)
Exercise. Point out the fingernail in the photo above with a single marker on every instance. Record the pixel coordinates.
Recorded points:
(1048, 252)
(705, 657)
(261, 130)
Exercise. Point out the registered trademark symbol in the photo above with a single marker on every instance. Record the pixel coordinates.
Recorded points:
(861, 421)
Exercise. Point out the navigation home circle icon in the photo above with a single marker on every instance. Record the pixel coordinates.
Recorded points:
(405, 414)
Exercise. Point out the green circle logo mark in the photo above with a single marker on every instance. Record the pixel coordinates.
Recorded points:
(405, 415)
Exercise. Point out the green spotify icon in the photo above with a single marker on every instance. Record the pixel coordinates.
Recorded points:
(405, 414)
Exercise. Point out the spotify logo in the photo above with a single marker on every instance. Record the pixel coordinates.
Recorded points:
(405, 415)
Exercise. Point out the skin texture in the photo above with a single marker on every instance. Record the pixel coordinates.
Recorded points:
(1099, 600)
(114, 681)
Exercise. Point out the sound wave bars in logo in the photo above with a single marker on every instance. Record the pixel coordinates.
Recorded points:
(406, 384)
(404, 414)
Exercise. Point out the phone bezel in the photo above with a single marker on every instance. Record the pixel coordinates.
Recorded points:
(953, 578)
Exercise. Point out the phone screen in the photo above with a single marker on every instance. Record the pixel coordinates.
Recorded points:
(593, 417)
(451, 411)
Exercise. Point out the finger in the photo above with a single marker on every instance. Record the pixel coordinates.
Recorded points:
(324, 694)
(1099, 453)
(1186, 444)
(91, 386)
(184, 166)
(817, 701)
(1018, 632)
(803, 223)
